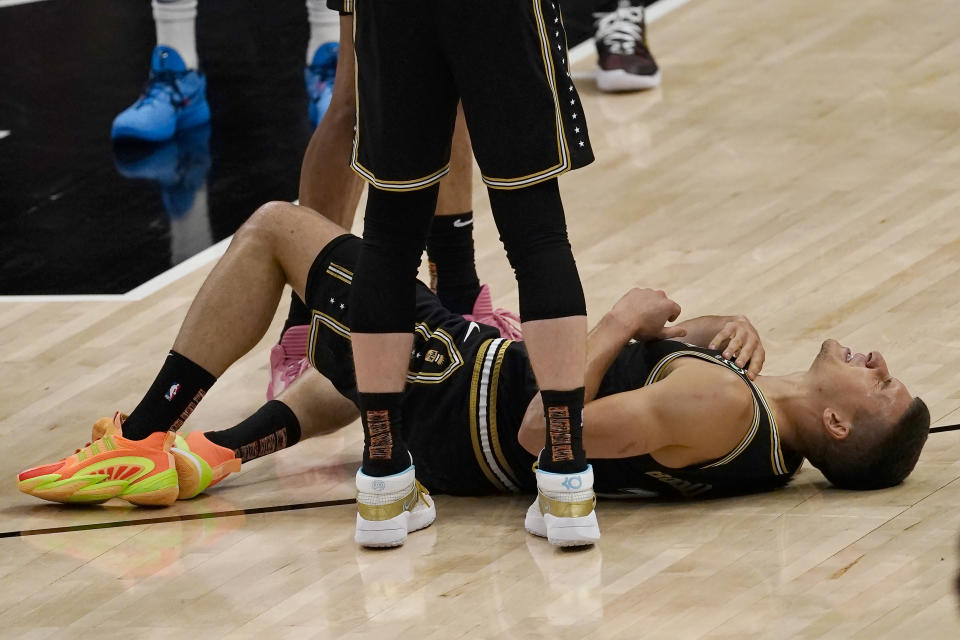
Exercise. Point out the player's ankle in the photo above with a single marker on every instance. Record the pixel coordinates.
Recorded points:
(379, 468)
(564, 467)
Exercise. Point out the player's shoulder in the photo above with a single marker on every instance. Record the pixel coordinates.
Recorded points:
(713, 393)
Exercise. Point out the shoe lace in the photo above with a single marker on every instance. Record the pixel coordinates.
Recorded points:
(621, 30)
(163, 82)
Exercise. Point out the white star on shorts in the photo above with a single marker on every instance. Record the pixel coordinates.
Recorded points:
(581, 143)
(343, 306)
(574, 116)
(576, 130)
(332, 300)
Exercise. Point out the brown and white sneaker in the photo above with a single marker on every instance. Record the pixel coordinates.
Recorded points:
(625, 62)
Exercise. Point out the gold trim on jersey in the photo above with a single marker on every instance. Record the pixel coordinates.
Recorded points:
(744, 443)
(456, 359)
(656, 374)
(340, 273)
(319, 318)
(483, 411)
(563, 152)
(777, 461)
(494, 432)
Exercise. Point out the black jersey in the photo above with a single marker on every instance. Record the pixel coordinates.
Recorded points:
(757, 463)
(467, 386)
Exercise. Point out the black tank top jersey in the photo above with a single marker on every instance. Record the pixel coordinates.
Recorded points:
(757, 463)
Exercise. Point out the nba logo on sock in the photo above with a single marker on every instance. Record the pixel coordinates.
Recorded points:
(174, 388)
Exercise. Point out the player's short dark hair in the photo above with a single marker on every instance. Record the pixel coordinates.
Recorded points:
(874, 458)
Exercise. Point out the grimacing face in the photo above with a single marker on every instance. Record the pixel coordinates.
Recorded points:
(852, 382)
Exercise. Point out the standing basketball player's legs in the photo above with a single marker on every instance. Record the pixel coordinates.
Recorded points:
(525, 134)
(406, 109)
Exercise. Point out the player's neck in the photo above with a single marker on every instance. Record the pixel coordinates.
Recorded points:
(794, 404)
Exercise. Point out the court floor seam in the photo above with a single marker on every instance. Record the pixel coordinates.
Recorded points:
(178, 518)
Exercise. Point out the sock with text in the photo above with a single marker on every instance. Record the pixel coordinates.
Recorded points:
(273, 427)
(563, 412)
(384, 452)
(170, 400)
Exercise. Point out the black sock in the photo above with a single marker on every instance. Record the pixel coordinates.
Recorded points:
(452, 265)
(273, 427)
(172, 397)
(563, 452)
(297, 315)
(384, 453)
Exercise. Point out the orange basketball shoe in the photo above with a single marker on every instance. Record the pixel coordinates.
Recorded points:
(138, 471)
(201, 463)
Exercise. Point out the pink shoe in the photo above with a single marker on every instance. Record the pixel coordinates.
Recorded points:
(288, 359)
(506, 321)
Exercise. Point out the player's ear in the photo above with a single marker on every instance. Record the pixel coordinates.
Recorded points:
(835, 424)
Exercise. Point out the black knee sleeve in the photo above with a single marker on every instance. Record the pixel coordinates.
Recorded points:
(394, 233)
(534, 234)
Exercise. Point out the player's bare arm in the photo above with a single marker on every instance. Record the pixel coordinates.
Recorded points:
(694, 414)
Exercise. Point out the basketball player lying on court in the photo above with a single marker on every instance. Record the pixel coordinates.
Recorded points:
(693, 418)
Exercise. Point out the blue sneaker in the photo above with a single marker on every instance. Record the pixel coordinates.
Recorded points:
(175, 98)
(319, 77)
(178, 167)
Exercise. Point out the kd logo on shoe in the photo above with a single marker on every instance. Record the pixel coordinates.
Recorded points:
(572, 483)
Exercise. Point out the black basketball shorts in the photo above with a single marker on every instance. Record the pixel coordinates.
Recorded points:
(467, 387)
(342, 6)
(506, 60)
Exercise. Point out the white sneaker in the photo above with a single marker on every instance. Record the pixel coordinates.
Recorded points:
(390, 507)
(564, 512)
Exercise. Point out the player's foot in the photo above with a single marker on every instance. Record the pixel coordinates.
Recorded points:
(175, 98)
(201, 464)
(564, 512)
(138, 471)
(390, 507)
(624, 59)
(288, 359)
(506, 321)
(319, 77)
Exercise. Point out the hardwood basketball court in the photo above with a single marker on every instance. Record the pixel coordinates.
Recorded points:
(799, 165)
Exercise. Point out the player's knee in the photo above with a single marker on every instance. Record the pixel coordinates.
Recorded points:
(263, 225)
(534, 234)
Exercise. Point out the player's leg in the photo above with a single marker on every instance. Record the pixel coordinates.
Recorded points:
(406, 105)
(310, 407)
(229, 315)
(525, 135)
(175, 97)
(327, 184)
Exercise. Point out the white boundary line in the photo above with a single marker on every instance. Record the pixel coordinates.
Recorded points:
(577, 54)
(153, 285)
(13, 3)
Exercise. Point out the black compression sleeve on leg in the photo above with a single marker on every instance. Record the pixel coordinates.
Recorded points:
(534, 234)
(297, 315)
(382, 294)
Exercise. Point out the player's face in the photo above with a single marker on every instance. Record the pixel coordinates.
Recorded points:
(853, 382)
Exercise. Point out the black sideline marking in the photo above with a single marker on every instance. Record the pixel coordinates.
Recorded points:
(180, 518)
(949, 427)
